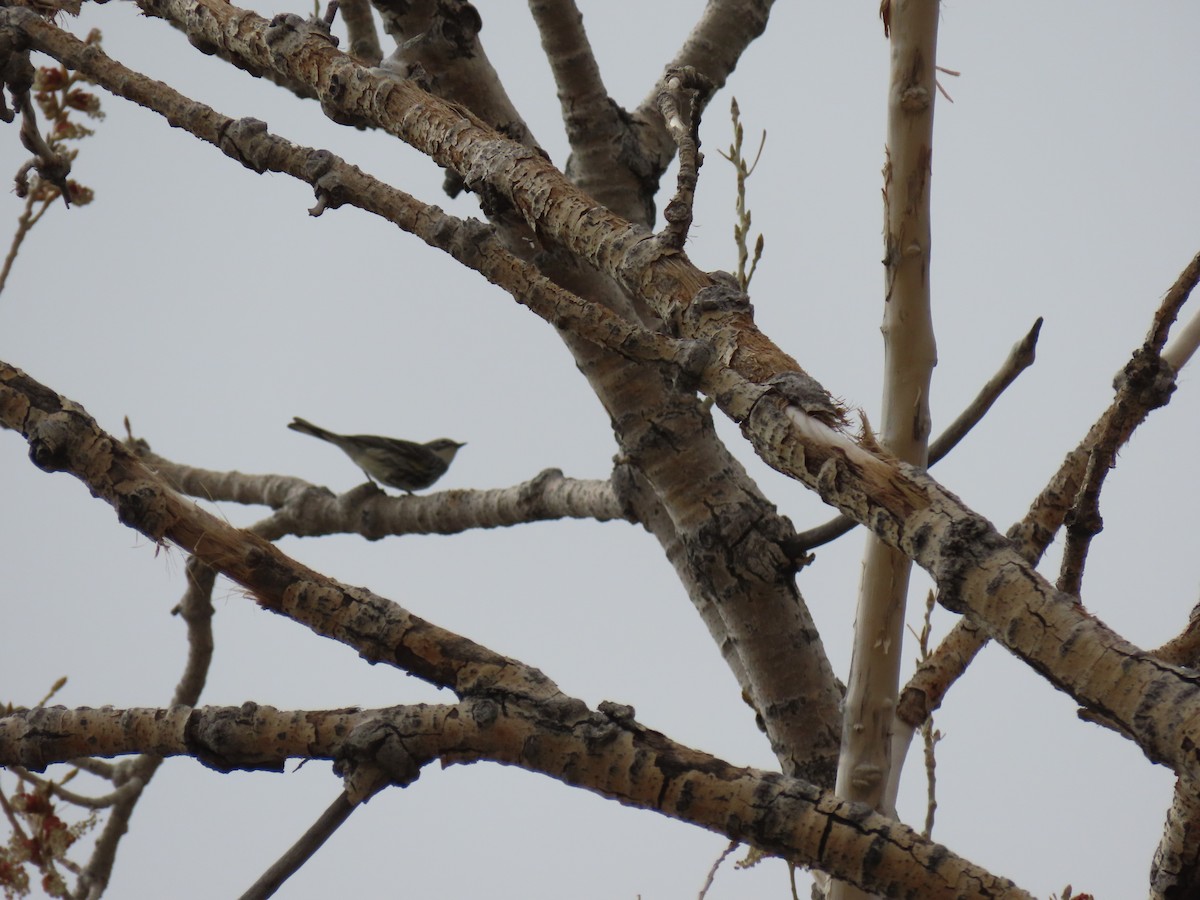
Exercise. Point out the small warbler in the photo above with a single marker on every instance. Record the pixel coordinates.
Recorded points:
(406, 465)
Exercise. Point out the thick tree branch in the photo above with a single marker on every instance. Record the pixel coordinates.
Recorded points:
(437, 45)
(336, 183)
(581, 92)
(762, 627)
(606, 159)
(360, 28)
(606, 751)
(1175, 870)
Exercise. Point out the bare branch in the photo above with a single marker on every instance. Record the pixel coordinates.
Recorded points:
(712, 872)
(867, 771)
(1020, 358)
(1143, 386)
(360, 28)
(606, 751)
(1151, 380)
(713, 47)
(333, 818)
(437, 44)
(755, 633)
(680, 101)
(588, 113)
(336, 183)
(25, 222)
(1175, 871)
(308, 511)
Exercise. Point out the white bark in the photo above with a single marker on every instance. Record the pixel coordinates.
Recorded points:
(866, 767)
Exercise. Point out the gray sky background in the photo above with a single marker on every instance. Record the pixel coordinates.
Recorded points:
(203, 302)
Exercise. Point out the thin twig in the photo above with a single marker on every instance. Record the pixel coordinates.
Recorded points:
(102, 802)
(302, 851)
(928, 734)
(712, 872)
(132, 777)
(25, 223)
(741, 228)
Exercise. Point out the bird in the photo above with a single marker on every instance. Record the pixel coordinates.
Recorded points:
(406, 465)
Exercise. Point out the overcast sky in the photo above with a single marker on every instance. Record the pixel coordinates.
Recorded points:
(202, 301)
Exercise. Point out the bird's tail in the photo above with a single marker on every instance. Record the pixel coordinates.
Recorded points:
(298, 424)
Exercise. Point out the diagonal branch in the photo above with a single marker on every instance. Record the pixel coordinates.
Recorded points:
(589, 115)
(609, 754)
(63, 437)
(438, 46)
(1140, 380)
(1175, 870)
(1141, 387)
(1019, 358)
(336, 183)
(360, 28)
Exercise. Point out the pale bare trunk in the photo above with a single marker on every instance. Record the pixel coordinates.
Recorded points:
(865, 768)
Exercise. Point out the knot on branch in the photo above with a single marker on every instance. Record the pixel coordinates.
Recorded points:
(722, 297)
(1148, 378)
(323, 173)
(287, 32)
(966, 542)
(54, 441)
(247, 141)
(805, 393)
(372, 754)
(229, 739)
(533, 493)
(601, 728)
(459, 26)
